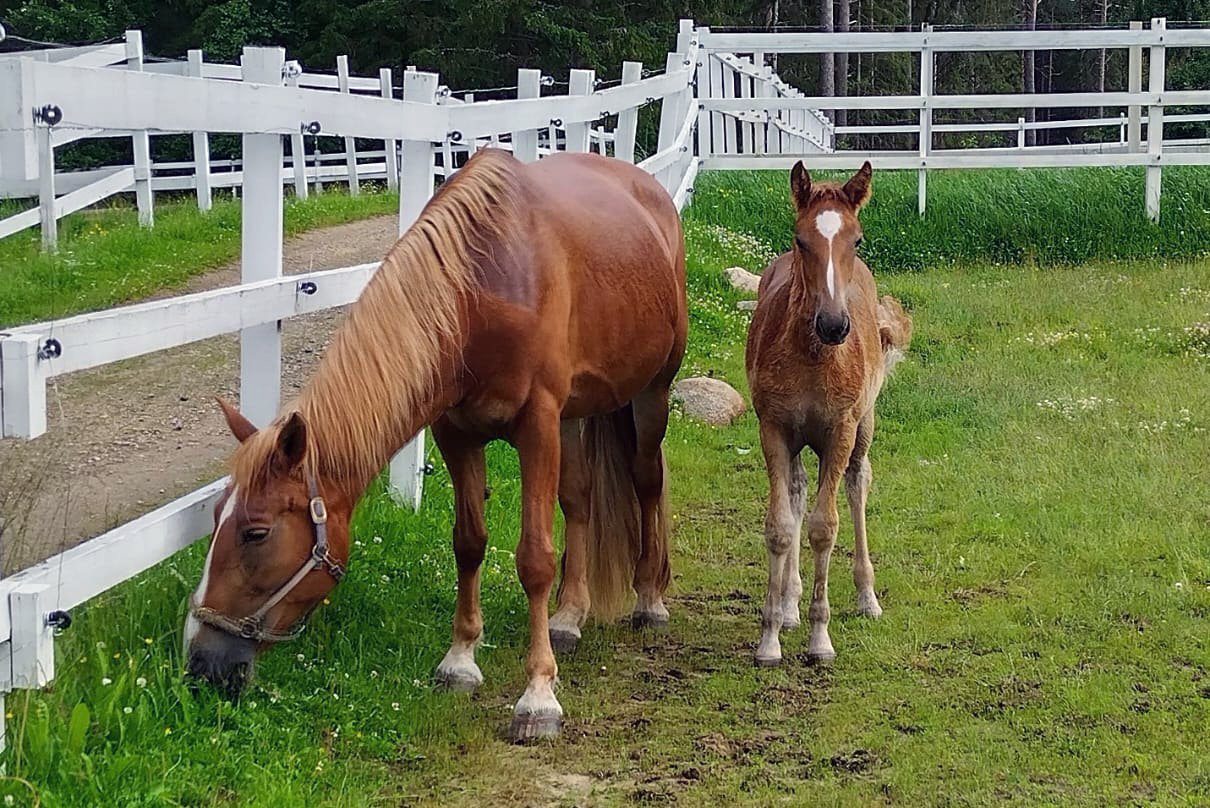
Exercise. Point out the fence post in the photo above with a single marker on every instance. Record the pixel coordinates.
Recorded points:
(926, 117)
(201, 146)
(415, 189)
(142, 143)
(1020, 133)
(580, 82)
(298, 149)
(525, 144)
(672, 113)
(1155, 120)
(24, 402)
(46, 189)
(1134, 79)
(342, 80)
(390, 147)
(261, 253)
(1122, 128)
(628, 119)
(747, 89)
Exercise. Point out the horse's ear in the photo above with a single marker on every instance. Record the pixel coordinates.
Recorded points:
(240, 426)
(857, 189)
(292, 442)
(800, 185)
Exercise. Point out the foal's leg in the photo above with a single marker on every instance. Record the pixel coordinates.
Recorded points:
(792, 590)
(465, 461)
(652, 572)
(782, 526)
(574, 492)
(857, 481)
(536, 436)
(821, 530)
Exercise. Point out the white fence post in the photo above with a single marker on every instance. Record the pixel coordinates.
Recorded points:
(628, 119)
(142, 143)
(672, 116)
(33, 639)
(525, 144)
(390, 147)
(1134, 84)
(342, 79)
(1155, 121)
(47, 215)
(298, 145)
(24, 402)
(1020, 133)
(926, 118)
(201, 146)
(580, 82)
(261, 257)
(705, 145)
(415, 189)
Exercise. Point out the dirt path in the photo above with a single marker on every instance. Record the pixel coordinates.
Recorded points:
(128, 437)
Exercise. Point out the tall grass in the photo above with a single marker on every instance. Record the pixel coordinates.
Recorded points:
(1003, 216)
(106, 259)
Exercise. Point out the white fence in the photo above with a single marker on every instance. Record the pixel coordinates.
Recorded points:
(1143, 113)
(720, 107)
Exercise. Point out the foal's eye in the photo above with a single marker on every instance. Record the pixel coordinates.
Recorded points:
(253, 535)
(859, 240)
(802, 245)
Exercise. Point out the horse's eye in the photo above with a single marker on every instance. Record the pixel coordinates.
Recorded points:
(802, 245)
(859, 240)
(253, 535)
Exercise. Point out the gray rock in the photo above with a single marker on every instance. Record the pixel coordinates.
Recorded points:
(742, 279)
(745, 305)
(710, 400)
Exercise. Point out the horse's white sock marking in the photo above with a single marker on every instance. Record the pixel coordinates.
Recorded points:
(192, 626)
(539, 699)
(458, 669)
(828, 224)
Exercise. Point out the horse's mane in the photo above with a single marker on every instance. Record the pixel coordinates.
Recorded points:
(382, 369)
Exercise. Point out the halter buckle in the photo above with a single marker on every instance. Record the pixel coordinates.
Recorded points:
(249, 629)
(319, 511)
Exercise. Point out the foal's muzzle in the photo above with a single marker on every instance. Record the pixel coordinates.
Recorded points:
(832, 328)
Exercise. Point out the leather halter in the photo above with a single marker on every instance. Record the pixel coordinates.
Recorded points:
(252, 627)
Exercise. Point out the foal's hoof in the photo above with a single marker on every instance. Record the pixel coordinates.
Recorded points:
(821, 658)
(527, 728)
(459, 679)
(563, 640)
(768, 661)
(867, 605)
(655, 620)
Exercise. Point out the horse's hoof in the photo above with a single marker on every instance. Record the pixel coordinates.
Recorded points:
(528, 728)
(823, 659)
(867, 606)
(790, 623)
(458, 680)
(563, 641)
(768, 662)
(653, 620)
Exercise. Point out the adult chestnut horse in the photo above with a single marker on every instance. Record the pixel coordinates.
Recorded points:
(819, 347)
(543, 304)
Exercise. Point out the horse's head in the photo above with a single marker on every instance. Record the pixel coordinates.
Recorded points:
(279, 546)
(826, 236)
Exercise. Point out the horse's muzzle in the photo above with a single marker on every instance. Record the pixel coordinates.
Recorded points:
(832, 329)
(221, 660)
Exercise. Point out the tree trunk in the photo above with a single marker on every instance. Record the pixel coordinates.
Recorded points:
(1027, 68)
(827, 66)
(842, 61)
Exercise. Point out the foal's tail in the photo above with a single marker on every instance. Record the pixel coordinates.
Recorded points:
(895, 329)
(614, 540)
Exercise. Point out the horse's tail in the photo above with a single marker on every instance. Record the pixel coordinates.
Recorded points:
(895, 329)
(614, 538)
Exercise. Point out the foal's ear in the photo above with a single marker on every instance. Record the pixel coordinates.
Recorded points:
(857, 189)
(800, 185)
(291, 443)
(240, 426)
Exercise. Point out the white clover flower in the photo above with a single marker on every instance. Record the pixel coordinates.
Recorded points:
(141, 681)
(106, 681)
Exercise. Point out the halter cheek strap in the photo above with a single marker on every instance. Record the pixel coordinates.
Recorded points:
(252, 627)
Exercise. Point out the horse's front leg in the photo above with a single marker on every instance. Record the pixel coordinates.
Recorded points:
(782, 526)
(821, 530)
(536, 437)
(465, 460)
(574, 600)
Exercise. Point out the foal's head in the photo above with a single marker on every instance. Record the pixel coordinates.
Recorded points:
(826, 236)
(280, 543)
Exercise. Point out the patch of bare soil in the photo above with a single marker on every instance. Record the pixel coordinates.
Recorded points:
(126, 438)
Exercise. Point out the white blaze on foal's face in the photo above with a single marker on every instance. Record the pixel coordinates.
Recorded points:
(828, 223)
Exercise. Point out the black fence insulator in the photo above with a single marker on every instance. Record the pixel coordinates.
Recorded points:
(308, 287)
(51, 349)
(59, 620)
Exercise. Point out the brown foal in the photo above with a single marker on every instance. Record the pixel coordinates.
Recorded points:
(819, 347)
(540, 303)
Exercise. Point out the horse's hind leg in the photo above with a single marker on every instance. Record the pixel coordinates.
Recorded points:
(573, 600)
(652, 572)
(782, 526)
(857, 481)
(465, 461)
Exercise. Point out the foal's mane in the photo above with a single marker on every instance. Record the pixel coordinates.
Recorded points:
(382, 370)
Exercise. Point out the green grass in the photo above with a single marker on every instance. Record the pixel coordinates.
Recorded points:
(1038, 528)
(106, 259)
(1003, 216)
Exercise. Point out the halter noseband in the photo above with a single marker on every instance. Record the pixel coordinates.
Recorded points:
(252, 627)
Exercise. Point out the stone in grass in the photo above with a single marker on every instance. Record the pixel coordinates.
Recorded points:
(745, 305)
(710, 400)
(742, 279)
